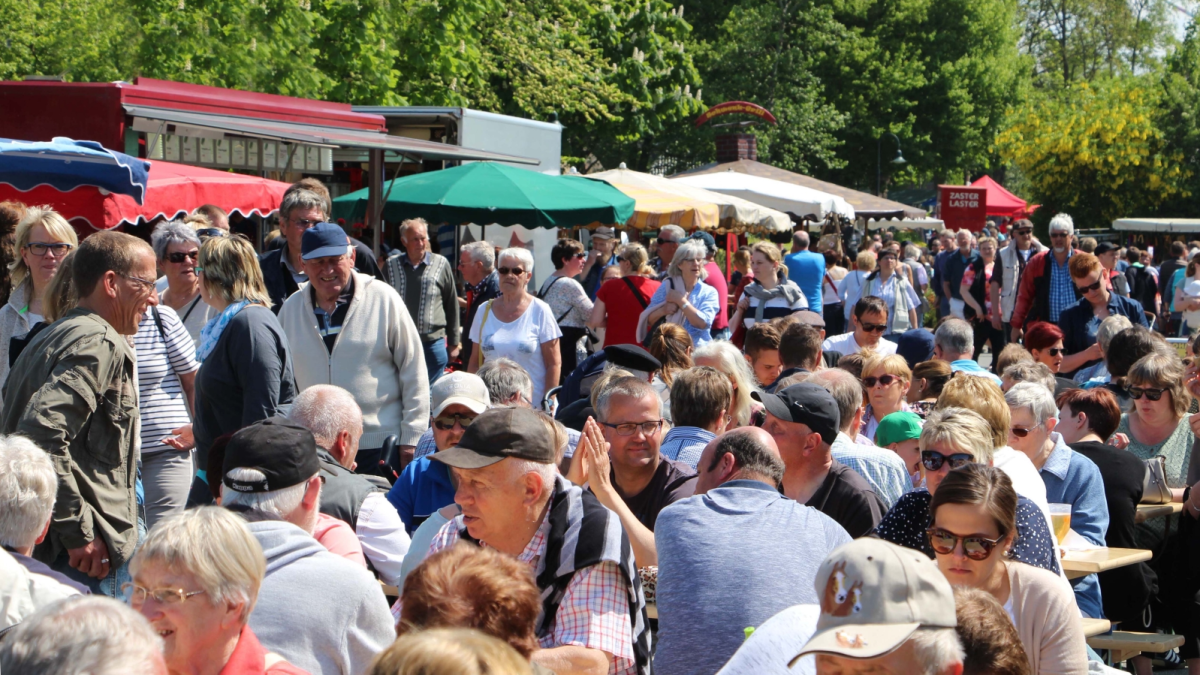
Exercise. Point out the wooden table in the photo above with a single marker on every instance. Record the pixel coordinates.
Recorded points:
(1082, 563)
(1095, 626)
(1148, 511)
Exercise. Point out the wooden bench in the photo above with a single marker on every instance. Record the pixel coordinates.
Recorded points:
(1121, 645)
(1095, 626)
(1148, 511)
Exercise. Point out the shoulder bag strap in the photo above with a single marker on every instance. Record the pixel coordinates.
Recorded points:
(633, 289)
(158, 322)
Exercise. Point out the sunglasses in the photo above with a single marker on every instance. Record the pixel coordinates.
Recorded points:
(662, 241)
(974, 547)
(1024, 230)
(885, 380)
(515, 271)
(933, 460)
(1151, 393)
(1058, 235)
(447, 422)
(1089, 288)
(206, 232)
(1055, 351)
(1022, 433)
(178, 257)
(873, 328)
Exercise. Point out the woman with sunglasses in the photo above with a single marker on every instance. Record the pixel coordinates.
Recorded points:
(619, 303)
(1081, 323)
(518, 326)
(890, 284)
(769, 295)
(886, 379)
(1158, 424)
(570, 303)
(975, 535)
(951, 439)
(177, 247)
(43, 238)
(1044, 341)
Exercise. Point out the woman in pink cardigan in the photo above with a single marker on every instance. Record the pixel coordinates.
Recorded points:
(974, 522)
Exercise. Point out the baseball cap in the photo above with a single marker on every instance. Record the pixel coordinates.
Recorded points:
(322, 241)
(805, 403)
(459, 388)
(282, 450)
(915, 345)
(632, 357)
(710, 244)
(603, 233)
(500, 433)
(874, 596)
(897, 427)
(1105, 247)
(810, 318)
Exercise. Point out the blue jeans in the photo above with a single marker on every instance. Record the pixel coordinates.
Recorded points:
(109, 585)
(436, 359)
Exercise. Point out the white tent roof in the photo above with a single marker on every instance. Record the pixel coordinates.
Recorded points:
(773, 194)
(906, 224)
(734, 210)
(1157, 224)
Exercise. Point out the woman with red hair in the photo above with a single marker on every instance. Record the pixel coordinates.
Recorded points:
(1045, 342)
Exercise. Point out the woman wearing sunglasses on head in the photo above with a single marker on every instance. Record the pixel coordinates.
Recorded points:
(177, 246)
(975, 534)
(1081, 322)
(886, 379)
(951, 439)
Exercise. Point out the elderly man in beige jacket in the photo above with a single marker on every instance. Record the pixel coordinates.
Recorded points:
(353, 331)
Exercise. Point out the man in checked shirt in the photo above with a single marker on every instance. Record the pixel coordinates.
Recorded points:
(513, 500)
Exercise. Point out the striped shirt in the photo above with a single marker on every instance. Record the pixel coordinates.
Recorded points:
(774, 308)
(686, 444)
(160, 363)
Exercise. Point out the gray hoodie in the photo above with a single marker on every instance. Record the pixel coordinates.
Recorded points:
(319, 611)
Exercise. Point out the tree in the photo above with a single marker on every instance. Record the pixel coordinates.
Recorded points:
(1094, 151)
(77, 40)
(1177, 116)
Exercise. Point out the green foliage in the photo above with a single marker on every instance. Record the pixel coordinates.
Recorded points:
(78, 40)
(1177, 117)
(1095, 152)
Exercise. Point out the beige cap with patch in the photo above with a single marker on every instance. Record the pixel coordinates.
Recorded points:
(873, 596)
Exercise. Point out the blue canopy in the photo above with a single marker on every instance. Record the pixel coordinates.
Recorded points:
(66, 164)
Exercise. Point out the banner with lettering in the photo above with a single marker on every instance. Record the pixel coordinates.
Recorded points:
(962, 206)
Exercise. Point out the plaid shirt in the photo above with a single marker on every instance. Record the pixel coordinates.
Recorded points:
(1062, 289)
(594, 612)
(686, 444)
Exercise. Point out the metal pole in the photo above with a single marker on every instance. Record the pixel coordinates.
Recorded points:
(375, 198)
(879, 167)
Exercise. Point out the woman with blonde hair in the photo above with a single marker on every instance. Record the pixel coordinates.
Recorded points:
(726, 358)
(42, 240)
(886, 380)
(620, 302)
(245, 364)
(770, 295)
(672, 346)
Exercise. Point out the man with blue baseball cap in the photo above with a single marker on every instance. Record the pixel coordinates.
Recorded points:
(351, 330)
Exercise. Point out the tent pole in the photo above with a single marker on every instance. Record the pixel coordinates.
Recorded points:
(375, 198)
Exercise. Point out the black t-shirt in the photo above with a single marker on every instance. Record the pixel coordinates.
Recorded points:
(848, 498)
(672, 482)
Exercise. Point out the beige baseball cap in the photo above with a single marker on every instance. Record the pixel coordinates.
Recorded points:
(873, 596)
(459, 388)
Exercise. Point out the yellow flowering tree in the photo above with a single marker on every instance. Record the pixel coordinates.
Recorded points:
(1094, 151)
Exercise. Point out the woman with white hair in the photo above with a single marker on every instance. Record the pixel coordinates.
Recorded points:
(196, 578)
(682, 299)
(518, 326)
(177, 247)
(728, 359)
(43, 238)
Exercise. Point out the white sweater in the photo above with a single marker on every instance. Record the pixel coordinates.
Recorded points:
(378, 358)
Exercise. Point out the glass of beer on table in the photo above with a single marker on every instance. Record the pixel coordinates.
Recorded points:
(1060, 517)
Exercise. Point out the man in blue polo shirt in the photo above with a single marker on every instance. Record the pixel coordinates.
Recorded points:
(954, 342)
(806, 269)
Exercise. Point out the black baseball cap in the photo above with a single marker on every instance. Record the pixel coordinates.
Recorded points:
(499, 433)
(285, 453)
(1105, 247)
(632, 357)
(807, 404)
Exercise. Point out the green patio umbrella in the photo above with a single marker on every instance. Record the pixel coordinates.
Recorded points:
(488, 193)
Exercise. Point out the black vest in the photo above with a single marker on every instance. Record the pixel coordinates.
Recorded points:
(344, 491)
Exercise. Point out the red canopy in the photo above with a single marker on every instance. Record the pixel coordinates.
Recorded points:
(1001, 202)
(173, 190)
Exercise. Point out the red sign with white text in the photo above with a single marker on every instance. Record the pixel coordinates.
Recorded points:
(961, 206)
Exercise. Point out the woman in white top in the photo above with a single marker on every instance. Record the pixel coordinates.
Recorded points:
(518, 326)
(43, 238)
(177, 248)
(770, 295)
(889, 284)
(851, 287)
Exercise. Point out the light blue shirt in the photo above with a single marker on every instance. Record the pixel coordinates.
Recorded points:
(971, 367)
(1073, 479)
(882, 468)
(703, 297)
(686, 444)
(807, 270)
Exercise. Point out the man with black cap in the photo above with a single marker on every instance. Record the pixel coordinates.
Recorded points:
(633, 358)
(804, 420)
(352, 330)
(1107, 251)
(514, 501)
(319, 611)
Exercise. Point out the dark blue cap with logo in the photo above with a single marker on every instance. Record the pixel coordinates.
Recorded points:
(323, 240)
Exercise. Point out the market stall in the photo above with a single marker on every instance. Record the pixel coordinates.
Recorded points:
(804, 202)
(65, 164)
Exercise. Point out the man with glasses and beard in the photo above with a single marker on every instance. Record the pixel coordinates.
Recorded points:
(1046, 288)
(1006, 276)
(870, 320)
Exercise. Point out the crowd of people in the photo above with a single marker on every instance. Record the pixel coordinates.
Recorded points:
(306, 460)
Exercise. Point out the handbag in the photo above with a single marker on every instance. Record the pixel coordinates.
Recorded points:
(1154, 486)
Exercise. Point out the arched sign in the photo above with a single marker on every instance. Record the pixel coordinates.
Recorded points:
(731, 107)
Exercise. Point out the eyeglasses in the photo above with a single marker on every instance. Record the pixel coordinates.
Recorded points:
(304, 222)
(975, 547)
(933, 460)
(40, 249)
(145, 283)
(1151, 393)
(1089, 288)
(873, 327)
(1058, 235)
(630, 428)
(515, 271)
(885, 380)
(447, 422)
(662, 241)
(1022, 433)
(178, 257)
(136, 595)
